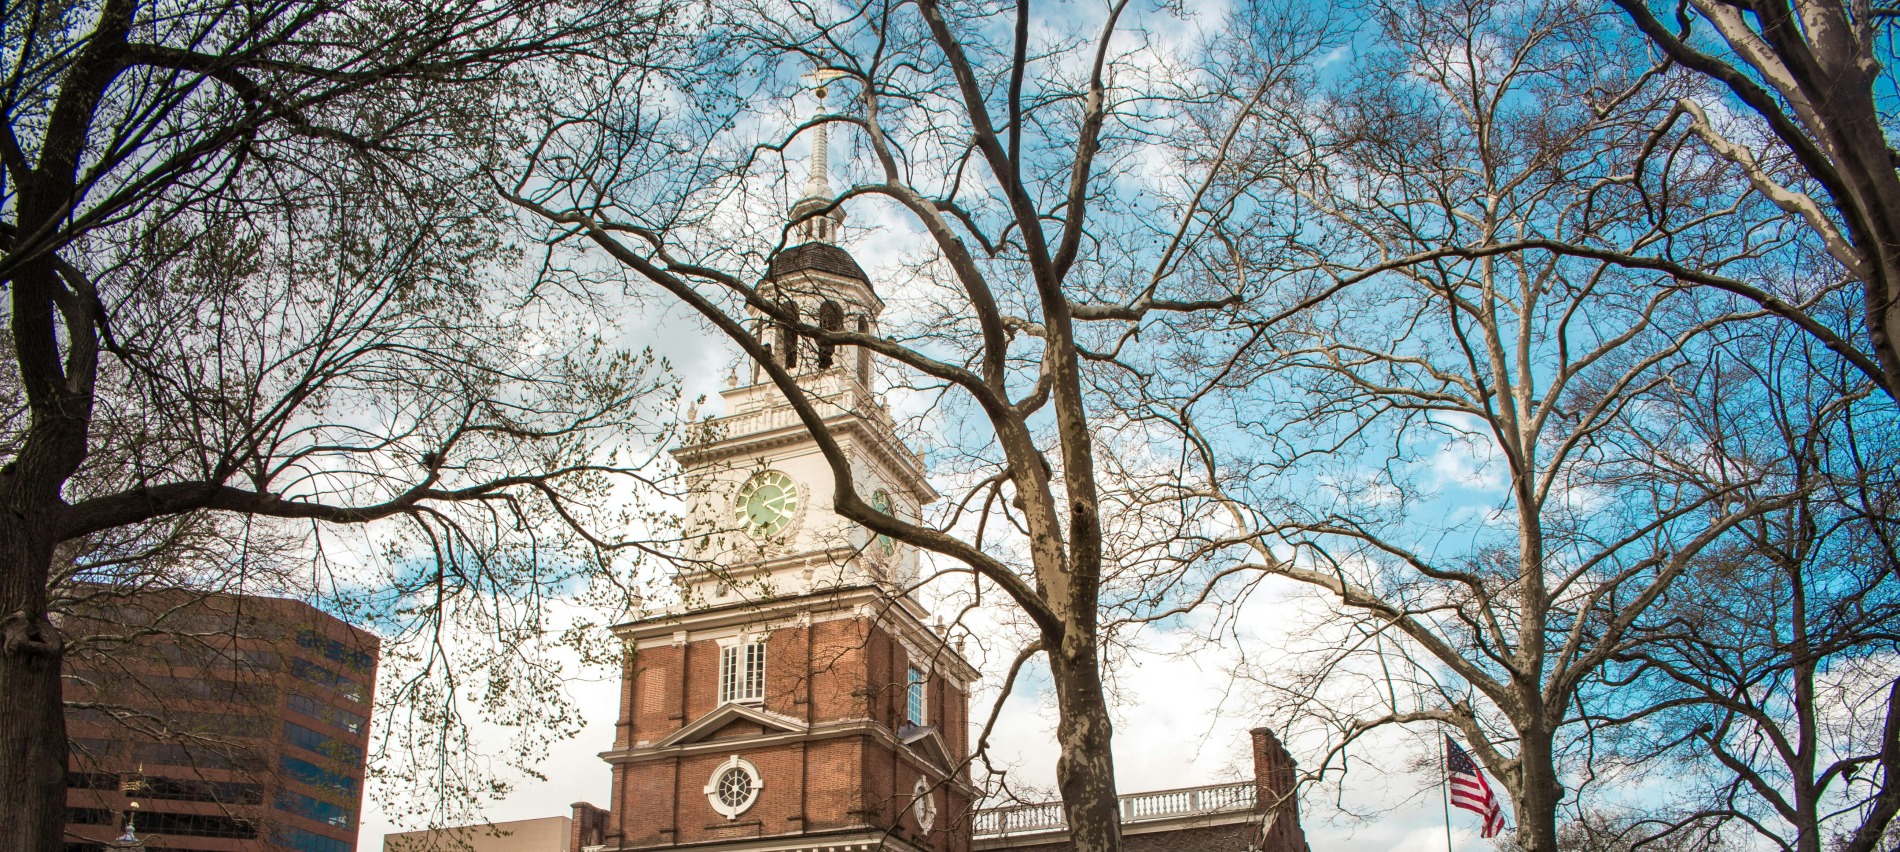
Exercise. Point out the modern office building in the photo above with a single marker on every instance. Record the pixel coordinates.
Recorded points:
(215, 722)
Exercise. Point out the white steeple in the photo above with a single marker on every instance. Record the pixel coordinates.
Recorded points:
(818, 228)
(818, 186)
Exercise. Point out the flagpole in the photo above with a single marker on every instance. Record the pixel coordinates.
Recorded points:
(1444, 754)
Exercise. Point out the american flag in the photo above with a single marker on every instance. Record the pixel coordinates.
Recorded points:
(1470, 791)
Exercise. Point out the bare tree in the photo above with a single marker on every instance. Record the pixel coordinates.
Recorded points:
(1812, 73)
(1465, 455)
(1054, 267)
(1767, 671)
(1630, 830)
(245, 275)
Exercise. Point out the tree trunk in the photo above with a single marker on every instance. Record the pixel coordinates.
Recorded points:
(1837, 74)
(58, 382)
(1858, 168)
(1537, 791)
(32, 717)
(1085, 771)
(1807, 712)
(1830, 65)
(1878, 188)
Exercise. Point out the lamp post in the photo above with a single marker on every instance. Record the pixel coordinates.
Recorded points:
(129, 841)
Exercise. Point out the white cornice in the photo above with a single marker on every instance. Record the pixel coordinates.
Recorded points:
(726, 714)
(889, 451)
(901, 615)
(923, 762)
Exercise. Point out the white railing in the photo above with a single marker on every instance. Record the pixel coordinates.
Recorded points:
(760, 408)
(1135, 807)
(1019, 819)
(1212, 799)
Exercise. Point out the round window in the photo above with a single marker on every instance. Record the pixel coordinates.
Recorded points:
(734, 787)
(925, 808)
(767, 504)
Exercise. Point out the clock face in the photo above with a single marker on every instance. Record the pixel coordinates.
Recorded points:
(767, 503)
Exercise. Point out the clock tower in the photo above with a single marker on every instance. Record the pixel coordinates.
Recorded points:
(798, 698)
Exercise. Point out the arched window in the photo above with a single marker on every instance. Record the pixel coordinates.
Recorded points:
(787, 335)
(864, 353)
(830, 318)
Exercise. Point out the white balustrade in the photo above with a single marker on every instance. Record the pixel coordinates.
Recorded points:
(761, 408)
(1135, 807)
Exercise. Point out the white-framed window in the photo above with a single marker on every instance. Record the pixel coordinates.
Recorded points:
(914, 696)
(733, 787)
(742, 671)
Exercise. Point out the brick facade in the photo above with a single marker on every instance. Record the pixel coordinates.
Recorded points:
(829, 740)
(1232, 837)
(829, 744)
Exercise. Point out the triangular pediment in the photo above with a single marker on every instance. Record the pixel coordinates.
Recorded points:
(752, 721)
(928, 741)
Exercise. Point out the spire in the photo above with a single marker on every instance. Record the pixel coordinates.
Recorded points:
(819, 184)
(818, 228)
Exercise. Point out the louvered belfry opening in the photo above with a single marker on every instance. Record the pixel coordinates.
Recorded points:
(830, 318)
(788, 333)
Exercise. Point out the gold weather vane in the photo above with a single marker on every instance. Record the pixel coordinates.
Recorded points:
(819, 228)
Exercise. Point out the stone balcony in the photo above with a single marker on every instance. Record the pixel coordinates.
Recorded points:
(1217, 803)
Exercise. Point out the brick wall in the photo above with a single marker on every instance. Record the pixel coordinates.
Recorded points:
(1213, 838)
(831, 671)
(837, 666)
(588, 828)
(843, 670)
(1274, 779)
